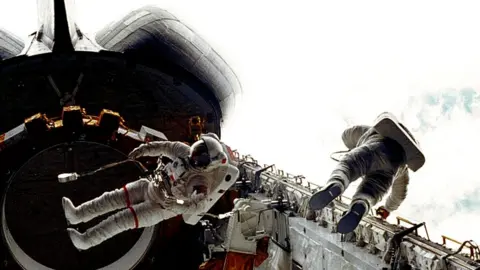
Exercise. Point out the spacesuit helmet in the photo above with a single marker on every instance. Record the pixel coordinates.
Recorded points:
(207, 153)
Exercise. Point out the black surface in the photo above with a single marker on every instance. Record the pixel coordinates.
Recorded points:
(34, 211)
(63, 42)
(142, 96)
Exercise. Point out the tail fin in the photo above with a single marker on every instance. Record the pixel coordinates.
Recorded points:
(56, 24)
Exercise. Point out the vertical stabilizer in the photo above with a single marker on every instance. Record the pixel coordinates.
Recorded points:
(56, 24)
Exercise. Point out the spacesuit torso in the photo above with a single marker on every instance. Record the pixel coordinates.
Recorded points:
(182, 179)
(391, 154)
(178, 178)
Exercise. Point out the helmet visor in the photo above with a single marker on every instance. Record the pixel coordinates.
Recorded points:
(200, 156)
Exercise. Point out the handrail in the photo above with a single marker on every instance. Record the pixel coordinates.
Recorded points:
(463, 245)
(400, 219)
(308, 188)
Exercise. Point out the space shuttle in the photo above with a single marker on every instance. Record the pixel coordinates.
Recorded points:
(72, 102)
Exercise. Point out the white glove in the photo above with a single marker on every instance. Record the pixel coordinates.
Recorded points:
(195, 198)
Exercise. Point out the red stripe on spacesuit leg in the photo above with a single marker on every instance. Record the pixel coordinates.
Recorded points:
(134, 216)
(127, 198)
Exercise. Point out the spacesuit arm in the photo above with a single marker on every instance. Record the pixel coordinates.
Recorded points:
(169, 149)
(351, 135)
(399, 189)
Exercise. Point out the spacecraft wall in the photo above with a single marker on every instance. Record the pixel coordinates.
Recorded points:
(152, 33)
(10, 45)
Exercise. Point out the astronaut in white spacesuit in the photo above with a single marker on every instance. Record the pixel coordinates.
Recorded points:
(382, 161)
(146, 202)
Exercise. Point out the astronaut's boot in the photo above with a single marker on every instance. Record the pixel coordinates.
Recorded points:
(350, 220)
(70, 211)
(78, 239)
(113, 225)
(326, 195)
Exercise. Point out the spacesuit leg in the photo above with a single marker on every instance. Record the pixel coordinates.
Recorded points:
(352, 166)
(131, 193)
(368, 193)
(142, 215)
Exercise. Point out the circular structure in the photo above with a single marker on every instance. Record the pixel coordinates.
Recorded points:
(33, 221)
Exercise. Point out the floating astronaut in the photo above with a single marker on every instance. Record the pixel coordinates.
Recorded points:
(146, 202)
(382, 155)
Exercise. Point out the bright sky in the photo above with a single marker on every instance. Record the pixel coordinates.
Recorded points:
(309, 68)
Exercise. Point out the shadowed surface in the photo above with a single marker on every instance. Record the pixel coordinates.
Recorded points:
(34, 210)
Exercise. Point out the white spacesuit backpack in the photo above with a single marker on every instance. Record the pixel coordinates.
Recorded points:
(388, 126)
